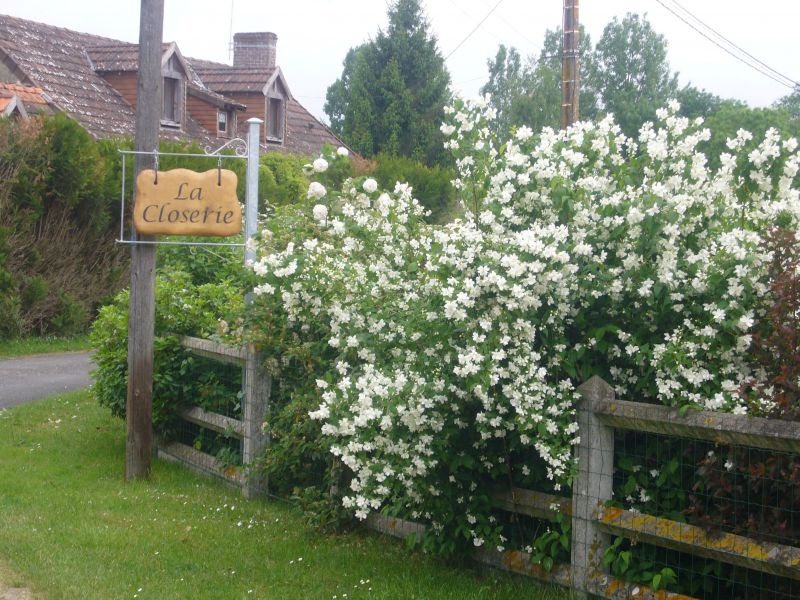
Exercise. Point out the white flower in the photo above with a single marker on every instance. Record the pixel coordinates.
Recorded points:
(524, 132)
(383, 204)
(320, 165)
(264, 288)
(316, 190)
(320, 212)
(370, 185)
(342, 151)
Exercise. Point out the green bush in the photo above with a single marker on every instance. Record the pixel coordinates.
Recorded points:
(71, 316)
(281, 179)
(431, 185)
(182, 308)
(58, 214)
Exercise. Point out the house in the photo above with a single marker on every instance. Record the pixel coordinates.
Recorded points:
(93, 80)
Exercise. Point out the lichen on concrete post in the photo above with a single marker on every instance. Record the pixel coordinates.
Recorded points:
(591, 489)
(257, 388)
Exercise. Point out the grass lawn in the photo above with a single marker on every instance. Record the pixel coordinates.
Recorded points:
(42, 345)
(70, 527)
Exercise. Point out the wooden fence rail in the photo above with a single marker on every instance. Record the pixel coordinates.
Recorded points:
(593, 520)
(256, 384)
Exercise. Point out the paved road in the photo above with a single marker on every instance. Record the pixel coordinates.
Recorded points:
(34, 377)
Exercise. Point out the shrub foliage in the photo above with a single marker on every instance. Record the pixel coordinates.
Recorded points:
(58, 212)
(456, 350)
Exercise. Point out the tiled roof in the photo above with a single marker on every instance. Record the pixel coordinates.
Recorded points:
(54, 59)
(233, 79)
(28, 94)
(305, 134)
(57, 60)
(119, 56)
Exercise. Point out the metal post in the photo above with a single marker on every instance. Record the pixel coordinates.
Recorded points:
(570, 66)
(591, 489)
(256, 382)
(251, 195)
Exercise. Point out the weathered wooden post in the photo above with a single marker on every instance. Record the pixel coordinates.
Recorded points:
(141, 311)
(592, 488)
(257, 387)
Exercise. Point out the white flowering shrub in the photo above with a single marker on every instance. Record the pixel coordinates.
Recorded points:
(459, 348)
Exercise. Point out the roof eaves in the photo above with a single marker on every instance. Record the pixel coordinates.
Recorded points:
(215, 98)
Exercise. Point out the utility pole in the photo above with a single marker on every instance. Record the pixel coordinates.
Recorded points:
(570, 65)
(141, 310)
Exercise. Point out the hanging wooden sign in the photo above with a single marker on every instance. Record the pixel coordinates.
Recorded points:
(184, 202)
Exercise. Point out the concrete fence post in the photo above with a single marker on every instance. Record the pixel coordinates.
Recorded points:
(592, 489)
(257, 388)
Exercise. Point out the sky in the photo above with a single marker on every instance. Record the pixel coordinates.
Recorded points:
(315, 35)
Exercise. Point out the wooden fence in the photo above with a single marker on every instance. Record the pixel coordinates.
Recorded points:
(256, 385)
(593, 521)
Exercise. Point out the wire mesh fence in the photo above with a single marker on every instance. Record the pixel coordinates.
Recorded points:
(743, 498)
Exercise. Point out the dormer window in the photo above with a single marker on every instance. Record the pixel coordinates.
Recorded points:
(172, 113)
(275, 119)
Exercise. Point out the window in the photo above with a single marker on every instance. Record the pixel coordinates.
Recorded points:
(275, 119)
(222, 123)
(172, 101)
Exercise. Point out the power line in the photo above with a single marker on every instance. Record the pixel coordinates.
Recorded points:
(471, 18)
(513, 28)
(533, 62)
(469, 35)
(765, 70)
(739, 48)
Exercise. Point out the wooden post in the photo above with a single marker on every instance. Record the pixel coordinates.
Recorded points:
(592, 488)
(257, 387)
(141, 311)
(570, 65)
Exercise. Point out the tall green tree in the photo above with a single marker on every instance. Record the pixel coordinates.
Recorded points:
(696, 102)
(732, 115)
(631, 72)
(391, 95)
(791, 102)
(529, 93)
(506, 86)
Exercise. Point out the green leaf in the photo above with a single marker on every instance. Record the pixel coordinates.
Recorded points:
(547, 564)
(656, 584)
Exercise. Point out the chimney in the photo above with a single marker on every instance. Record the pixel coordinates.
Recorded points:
(256, 50)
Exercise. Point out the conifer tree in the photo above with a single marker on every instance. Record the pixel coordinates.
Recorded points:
(392, 91)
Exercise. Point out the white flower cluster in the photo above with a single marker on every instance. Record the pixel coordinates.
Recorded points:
(581, 251)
